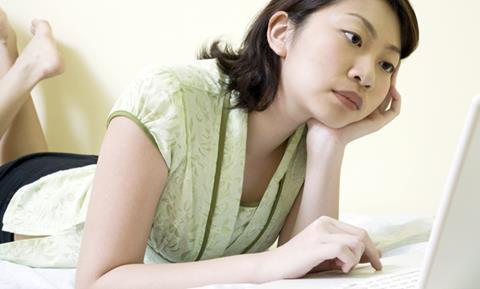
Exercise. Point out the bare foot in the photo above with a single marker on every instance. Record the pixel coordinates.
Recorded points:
(40, 57)
(8, 44)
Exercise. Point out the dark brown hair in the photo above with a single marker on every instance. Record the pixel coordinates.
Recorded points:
(254, 69)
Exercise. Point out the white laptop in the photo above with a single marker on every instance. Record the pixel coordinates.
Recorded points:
(452, 259)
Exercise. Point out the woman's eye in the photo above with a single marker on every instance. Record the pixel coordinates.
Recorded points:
(354, 38)
(388, 67)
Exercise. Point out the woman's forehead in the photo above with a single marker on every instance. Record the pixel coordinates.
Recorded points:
(376, 16)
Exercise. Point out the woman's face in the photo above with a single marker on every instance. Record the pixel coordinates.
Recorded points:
(351, 46)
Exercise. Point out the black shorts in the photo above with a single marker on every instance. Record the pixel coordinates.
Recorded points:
(29, 168)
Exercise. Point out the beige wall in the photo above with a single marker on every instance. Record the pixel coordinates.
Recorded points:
(399, 169)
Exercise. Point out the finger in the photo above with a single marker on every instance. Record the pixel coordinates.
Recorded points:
(383, 106)
(364, 258)
(370, 249)
(392, 92)
(342, 253)
(395, 107)
(395, 74)
(326, 265)
(353, 242)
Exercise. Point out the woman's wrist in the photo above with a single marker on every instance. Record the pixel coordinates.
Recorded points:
(323, 142)
(268, 269)
(320, 135)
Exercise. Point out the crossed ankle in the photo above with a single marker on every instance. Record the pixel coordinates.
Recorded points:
(22, 76)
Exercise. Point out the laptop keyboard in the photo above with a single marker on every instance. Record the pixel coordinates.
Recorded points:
(402, 280)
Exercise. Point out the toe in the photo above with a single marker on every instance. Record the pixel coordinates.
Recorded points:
(41, 27)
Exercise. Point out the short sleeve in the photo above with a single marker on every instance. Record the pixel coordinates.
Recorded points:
(154, 102)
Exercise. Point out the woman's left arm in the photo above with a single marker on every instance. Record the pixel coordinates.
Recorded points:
(319, 196)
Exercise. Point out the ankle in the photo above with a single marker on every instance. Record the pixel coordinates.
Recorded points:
(23, 76)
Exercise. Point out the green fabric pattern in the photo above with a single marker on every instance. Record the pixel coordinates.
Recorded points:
(183, 111)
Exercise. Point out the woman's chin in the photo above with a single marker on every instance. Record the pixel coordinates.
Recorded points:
(335, 124)
(334, 119)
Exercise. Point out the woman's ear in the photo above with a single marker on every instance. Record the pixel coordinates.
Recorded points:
(277, 33)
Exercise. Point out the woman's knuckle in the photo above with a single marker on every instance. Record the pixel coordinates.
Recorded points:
(358, 240)
(362, 246)
(363, 234)
(322, 222)
(324, 218)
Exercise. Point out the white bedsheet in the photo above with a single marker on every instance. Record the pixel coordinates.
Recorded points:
(402, 239)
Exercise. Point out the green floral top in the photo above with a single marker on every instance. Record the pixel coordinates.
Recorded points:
(199, 216)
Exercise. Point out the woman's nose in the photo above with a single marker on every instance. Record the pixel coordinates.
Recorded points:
(363, 73)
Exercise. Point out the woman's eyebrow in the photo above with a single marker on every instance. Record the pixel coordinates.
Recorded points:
(373, 32)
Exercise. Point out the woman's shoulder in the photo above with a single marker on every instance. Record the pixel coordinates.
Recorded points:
(158, 92)
(201, 75)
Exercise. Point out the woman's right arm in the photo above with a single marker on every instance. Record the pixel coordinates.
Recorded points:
(129, 180)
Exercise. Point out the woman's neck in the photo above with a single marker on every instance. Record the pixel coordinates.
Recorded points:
(269, 130)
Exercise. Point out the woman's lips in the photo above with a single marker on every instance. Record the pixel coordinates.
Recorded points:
(350, 99)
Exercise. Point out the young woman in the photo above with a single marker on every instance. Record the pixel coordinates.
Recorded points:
(204, 166)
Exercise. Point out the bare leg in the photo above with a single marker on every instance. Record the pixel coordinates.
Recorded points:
(20, 129)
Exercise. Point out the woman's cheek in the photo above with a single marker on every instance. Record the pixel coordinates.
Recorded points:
(383, 91)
